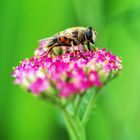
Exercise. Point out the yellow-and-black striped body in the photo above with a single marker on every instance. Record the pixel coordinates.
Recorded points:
(69, 37)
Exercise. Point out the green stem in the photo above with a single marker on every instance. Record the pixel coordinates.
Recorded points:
(88, 109)
(79, 103)
(74, 126)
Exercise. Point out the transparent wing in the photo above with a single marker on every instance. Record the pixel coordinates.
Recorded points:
(75, 28)
(43, 43)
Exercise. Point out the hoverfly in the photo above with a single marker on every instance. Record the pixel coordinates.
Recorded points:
(71, 37)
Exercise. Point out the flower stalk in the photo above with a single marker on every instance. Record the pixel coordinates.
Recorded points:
(78, 119)
(74, 126)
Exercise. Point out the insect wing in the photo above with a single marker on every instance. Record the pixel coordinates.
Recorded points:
(43, 43)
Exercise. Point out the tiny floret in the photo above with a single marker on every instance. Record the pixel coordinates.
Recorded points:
(68, 73)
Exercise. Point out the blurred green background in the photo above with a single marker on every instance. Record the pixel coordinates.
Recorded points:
(24, 22)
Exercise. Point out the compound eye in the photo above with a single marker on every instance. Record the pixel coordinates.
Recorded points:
(89, 33)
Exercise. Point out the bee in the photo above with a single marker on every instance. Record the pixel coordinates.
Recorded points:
(71, 37)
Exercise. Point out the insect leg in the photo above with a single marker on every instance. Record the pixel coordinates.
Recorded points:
(72, 45)
(88, 45)
(49, 50)
(92, 45)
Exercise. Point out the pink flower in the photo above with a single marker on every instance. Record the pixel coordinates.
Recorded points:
(69, 73)
(38, 86)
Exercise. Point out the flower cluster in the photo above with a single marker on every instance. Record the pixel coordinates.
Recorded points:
(69, 73)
